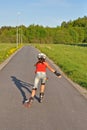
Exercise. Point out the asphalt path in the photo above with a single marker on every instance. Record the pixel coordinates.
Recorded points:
(63, 107)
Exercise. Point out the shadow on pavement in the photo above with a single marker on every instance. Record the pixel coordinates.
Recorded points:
(23, 85)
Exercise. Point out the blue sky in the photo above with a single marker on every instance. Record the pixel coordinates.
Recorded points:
(42, 12)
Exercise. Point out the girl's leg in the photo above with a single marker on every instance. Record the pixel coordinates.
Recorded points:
(36, 81)
(31, 98)
(33, 92)
(42, 88)
(43, 81)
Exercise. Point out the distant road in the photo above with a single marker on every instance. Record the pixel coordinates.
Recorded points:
(63, 108)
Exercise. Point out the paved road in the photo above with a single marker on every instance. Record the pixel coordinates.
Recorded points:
(63, 108)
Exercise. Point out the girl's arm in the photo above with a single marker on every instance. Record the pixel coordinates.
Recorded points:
(52, 70)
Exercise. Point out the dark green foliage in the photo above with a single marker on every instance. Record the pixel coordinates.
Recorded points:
(69, 32)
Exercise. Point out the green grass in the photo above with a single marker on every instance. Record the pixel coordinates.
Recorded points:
(71, 59)
(6, 50)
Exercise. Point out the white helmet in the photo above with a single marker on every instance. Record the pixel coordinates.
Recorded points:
(41, 56)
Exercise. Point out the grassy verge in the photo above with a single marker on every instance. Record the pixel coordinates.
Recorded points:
(6, 50)
(71, 59)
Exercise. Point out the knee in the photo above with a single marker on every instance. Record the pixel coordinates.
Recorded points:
(42, 83)
(34, 89)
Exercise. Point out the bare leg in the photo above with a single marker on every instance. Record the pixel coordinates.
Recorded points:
(42, 88)
(33, 92)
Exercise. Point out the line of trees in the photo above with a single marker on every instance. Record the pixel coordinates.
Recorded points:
(68, 33)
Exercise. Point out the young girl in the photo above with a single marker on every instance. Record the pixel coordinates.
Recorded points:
(40, 75)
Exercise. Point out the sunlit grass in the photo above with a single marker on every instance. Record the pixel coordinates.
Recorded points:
(71, 59)
(6, 50)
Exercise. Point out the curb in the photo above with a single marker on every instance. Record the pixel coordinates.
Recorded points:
(79, 88)
(82, 90)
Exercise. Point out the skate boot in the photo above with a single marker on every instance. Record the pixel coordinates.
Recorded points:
(41, 97)
(29, 102)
